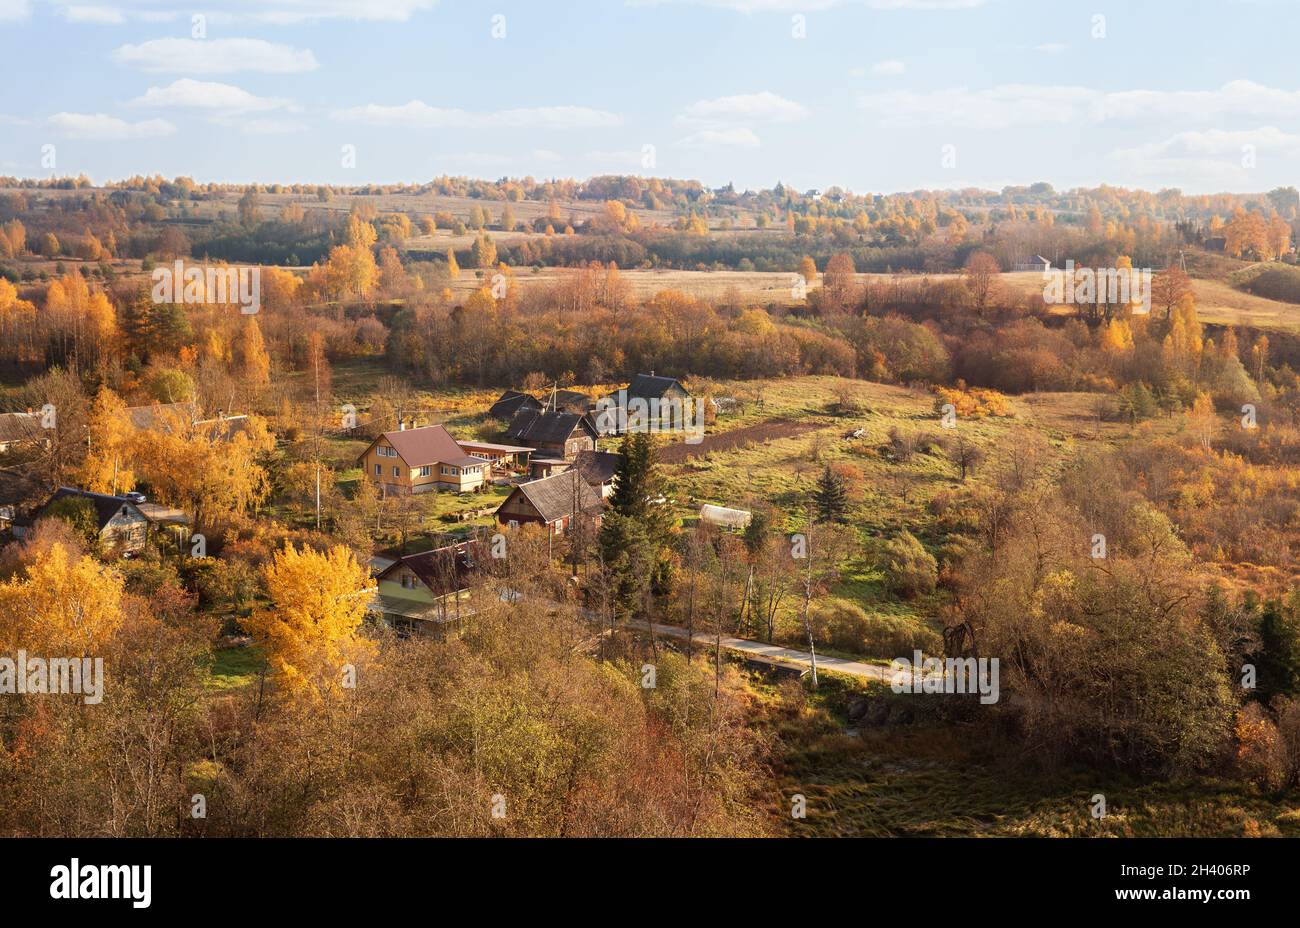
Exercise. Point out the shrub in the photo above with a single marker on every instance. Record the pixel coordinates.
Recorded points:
(909, 568)
(972, 403)
(845, 626)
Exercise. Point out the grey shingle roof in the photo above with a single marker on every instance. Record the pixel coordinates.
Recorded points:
(547, 427)
(511, 402)
(553, 497)
(597, 466)
(106, 507)
(648, 386)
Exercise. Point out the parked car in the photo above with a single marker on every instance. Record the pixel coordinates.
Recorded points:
(137, 498)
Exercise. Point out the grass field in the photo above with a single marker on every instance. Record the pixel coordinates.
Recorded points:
(780, 466)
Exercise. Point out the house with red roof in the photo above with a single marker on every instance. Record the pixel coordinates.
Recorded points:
(417, 460)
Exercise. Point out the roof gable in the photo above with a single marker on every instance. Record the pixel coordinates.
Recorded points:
(554, 497)
(442, 570)
(549, 427)
(648, 386)
(510, 402)
(597, 466)
(429, 444)
(106, 507)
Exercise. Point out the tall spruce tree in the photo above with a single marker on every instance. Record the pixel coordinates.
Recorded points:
(830, 498)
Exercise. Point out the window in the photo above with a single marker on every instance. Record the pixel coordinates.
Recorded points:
(446, 469)
(397, 472)
(426, 470)
(385, 452)
(379, 470)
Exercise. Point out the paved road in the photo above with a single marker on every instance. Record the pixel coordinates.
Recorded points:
(773, 652)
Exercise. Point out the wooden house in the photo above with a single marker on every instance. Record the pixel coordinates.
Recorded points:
(428, 593)
(511, 402)
(21, 429)
(122, 528)
(503, 458)
(598, 469)
(418, 460)
(648, 403)
(559, 434)
(552, 501)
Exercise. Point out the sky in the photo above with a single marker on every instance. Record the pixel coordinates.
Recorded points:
(874, 96)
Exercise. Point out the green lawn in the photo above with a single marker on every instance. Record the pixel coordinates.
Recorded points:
(232, 668)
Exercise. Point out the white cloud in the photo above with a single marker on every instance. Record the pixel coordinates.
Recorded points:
(215, 56)
(288, 12)
(102, 127)
(1008, 105)
(103, 15)
(717, 139)
(13, 10)
(270, 12)
(1050, 48)
(1212, 159)
(745, 107)
(890, 68)
(188, 93)
(419, 115)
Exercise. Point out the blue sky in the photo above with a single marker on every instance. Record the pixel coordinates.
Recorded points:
(873, 95)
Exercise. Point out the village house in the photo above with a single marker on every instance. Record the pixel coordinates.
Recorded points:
(510, 403)
(539, 467)
(122, 528)
(648, 403)
(19, 429)
(598, 469)
(552, 502)
(163, 416)
(166, 417)
(505, 459)
(559, 434)
(1038, 264)
(18, 493)
(427, 594)
(417, 460)
(568, 401)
